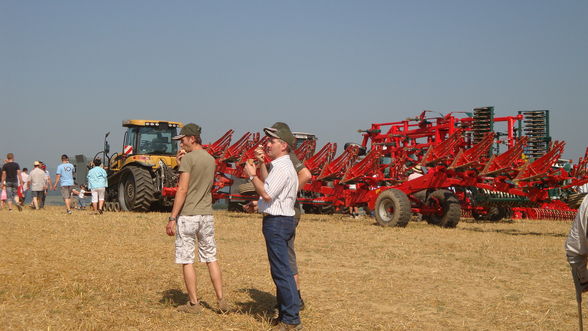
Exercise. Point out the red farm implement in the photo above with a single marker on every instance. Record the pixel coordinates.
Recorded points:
(477, 165)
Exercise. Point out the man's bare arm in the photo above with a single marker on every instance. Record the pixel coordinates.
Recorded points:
(179, 200)
(304, 176)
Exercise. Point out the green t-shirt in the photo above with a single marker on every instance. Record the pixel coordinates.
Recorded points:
(201, 167)
(298, 165)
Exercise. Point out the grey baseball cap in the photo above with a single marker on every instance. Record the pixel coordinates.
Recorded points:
(282, 131)
(189, 129)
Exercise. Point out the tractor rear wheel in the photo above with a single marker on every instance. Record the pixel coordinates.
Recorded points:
(136, 189)
(393, 208)
(451, 209)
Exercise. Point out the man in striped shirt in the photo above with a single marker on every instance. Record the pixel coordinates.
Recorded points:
(277, 197)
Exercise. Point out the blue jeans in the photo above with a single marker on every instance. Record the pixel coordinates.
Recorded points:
(277, 230)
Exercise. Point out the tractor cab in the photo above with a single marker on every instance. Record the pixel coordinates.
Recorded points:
(148, 143)
(150, 137)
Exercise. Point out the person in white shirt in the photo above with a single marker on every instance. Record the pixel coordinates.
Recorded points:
(38, 185)
(417, 172)
(576, 245)
(278, 193)
(24, 174)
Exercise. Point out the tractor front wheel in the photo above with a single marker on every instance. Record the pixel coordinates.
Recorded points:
(136, 190)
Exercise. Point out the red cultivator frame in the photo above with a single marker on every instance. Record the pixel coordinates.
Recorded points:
(467, 174)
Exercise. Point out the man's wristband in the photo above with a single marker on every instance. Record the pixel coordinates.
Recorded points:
(171, 219)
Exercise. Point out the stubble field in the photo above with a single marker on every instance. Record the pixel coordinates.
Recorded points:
(117, 271)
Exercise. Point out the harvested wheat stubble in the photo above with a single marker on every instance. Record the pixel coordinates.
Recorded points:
(116, 271)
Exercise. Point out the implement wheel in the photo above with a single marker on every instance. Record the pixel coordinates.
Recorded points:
(393, 208)
(451, 209)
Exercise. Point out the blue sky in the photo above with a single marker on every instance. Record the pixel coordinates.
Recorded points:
(72, 70)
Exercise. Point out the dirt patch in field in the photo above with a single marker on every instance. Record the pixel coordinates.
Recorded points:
(117, 271)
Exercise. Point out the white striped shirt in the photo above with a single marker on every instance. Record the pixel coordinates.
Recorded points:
(281, 185)
(577, 243)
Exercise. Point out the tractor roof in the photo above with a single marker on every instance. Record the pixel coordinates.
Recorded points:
(130, 123)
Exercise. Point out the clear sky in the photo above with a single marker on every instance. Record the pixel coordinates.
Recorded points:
(72, 70)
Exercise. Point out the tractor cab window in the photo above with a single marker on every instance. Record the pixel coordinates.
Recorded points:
(153, 140)
(131, 137)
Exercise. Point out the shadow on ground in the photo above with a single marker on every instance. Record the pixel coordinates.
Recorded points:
(174, 297)
(260, 306)
(514, 232)
(471, 220)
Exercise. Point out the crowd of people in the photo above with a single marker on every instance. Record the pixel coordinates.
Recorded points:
(18, 185)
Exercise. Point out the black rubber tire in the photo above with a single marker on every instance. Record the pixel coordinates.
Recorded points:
(393, 208)
(496, 214)
(477, 216)
(136, 190)
(310, 208)
(451, 209)
(327, 209)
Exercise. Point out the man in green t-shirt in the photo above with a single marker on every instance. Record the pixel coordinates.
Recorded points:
(191, 217)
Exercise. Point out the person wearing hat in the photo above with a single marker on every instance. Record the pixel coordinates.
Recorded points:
(64, 175)
(38, 184)
(417, 171)
(278, 192)
(48, 184)
(304, 176)
(191, 216)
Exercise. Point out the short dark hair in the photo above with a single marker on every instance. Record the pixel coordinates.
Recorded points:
(64, 157)
(197, 139)
(10, 156)
(25, 169)
(97, 162)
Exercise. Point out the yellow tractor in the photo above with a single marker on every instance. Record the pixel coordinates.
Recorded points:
(146, 164)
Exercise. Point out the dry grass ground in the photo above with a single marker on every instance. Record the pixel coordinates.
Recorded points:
(116, 271)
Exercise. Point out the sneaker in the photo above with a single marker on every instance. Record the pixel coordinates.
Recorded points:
(223, 306)
(190, 308)
(276, 314)
(69, 211)
(19, 207)
(100, 211)
(284, 327)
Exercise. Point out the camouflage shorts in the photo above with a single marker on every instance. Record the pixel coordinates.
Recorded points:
(190, 228)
